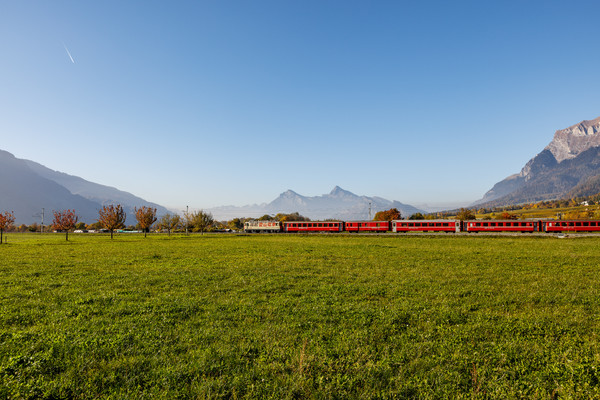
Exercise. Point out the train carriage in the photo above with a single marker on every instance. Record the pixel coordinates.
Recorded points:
(501, 226)
(571, 226)
(262, 226)
(367, 226)
(313, 226)
(437, 225)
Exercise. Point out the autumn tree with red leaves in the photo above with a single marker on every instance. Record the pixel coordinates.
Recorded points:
(6, 221)
(388, 215)
(145, 216)
(64, 221)
(112, 217)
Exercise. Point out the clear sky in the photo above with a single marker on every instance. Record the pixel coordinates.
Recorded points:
(208, 103)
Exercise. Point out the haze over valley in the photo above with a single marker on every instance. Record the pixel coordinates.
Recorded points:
(568, 167)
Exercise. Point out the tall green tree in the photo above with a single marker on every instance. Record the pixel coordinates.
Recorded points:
(235, 224)
(465, 214)
(202, 220)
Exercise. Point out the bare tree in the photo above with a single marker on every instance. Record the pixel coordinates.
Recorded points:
(112, 217)
(64, 221)
(145, 216)
(6, 221)
(169, 222)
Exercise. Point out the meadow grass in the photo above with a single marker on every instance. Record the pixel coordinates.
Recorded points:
(306, 316)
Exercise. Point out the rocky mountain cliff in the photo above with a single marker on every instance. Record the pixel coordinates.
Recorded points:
(569, 143)
(571, 160)
(338, 203)
(27, 187)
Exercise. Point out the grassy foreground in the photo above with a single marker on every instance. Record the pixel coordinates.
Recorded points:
(299, 317)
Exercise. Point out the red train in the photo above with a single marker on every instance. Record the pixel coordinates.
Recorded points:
(313, 226)
(501, 226)
(403, 226)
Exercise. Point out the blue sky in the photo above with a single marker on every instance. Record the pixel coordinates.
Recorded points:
(207, 103)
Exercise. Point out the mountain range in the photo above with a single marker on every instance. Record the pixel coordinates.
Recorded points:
(568, 167)
(27, 187)
(338, 203)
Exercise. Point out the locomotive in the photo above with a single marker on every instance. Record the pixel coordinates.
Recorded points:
(437, 225)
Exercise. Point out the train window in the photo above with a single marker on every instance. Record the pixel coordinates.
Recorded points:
(485, 224)
(577, 223)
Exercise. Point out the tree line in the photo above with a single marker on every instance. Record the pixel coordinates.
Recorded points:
(112, 218)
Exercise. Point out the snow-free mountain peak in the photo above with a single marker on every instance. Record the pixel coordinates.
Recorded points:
(289, 194)
(570, 163)
(570, 142)
(27, 187)
(339, 203)
(339, 192)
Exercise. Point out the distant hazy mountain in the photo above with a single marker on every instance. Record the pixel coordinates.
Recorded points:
(26, 187)
(568, 166)
(339, 203)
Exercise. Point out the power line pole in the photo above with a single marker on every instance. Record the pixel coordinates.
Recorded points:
(369, 211)
(187, 210)
(42, 228)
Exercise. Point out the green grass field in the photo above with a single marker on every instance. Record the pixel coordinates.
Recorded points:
(278, 316)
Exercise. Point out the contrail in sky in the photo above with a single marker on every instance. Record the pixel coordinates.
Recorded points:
(69, 53)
